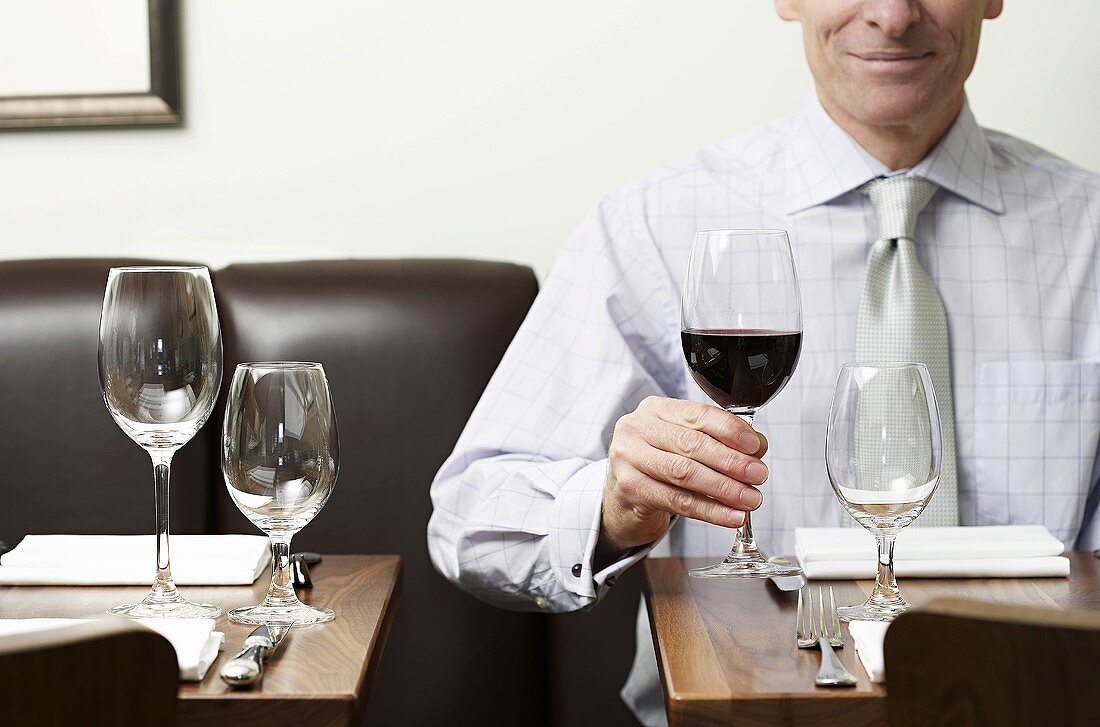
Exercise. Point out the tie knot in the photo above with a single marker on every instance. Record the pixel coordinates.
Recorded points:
(897, 202)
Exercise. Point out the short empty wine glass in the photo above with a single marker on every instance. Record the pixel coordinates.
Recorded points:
(160, 367)
(883, 451)
(280, 459)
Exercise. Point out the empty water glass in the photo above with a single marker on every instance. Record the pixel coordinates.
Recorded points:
(883, 452)
(280, 458)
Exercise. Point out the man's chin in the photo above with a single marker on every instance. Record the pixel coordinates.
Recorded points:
(892, 104)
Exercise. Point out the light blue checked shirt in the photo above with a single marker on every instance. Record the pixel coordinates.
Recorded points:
(1010, 240)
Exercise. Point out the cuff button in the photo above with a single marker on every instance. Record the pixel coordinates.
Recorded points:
(576, 570)
(542, 602)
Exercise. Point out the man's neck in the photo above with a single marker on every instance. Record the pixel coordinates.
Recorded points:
(898, 146)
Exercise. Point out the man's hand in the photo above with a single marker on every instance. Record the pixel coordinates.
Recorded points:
(672, 457)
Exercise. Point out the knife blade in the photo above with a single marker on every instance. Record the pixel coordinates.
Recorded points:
(246, 669)
(299, 572)
(299, 568)
(787, 583)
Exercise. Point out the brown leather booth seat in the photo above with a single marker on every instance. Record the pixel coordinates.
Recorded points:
(408, 346)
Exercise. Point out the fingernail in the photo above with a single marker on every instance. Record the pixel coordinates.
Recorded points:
(749, 441)
(756, 473)
(750, 498)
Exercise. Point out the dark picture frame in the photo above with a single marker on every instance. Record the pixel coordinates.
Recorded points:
(159, 106)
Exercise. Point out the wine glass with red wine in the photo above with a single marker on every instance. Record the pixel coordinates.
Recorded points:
(741, 328)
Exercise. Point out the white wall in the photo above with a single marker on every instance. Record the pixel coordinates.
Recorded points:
(476, 128)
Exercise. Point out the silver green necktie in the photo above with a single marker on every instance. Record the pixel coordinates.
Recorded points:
(901, 317)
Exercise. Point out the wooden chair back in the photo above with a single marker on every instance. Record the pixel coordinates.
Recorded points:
(959, 662)
(98, 673)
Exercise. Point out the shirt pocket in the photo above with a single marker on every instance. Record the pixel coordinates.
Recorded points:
(1037, 426)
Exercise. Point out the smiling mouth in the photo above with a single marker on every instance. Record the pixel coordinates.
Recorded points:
(893, 56)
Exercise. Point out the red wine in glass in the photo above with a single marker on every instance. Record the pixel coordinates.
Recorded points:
(741, 369)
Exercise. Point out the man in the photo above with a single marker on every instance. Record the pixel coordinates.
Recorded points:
(592, 438)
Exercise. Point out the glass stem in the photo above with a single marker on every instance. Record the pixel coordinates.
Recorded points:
(743, 542)
(281, 592)
(164, 589)
(885, 584)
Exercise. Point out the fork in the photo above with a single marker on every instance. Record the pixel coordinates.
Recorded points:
(813, 631)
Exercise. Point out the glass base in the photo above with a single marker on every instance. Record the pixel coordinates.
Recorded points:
(298, 614)
(745, 566)
(874, 610)
(174, 608)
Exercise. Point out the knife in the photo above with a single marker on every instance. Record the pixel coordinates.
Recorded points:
(299, 568)
(247, 668)
(299, 572)
(787, 583)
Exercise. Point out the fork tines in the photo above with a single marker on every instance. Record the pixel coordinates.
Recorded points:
(811, 623)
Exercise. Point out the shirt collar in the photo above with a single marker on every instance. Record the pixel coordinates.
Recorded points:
(824, 162)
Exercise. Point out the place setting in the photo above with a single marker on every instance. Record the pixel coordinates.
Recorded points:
(160, 365)
(884, 453)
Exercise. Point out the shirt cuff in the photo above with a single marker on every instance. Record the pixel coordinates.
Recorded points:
(575, 532)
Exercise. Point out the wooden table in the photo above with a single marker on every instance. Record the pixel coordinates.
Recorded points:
(726, 651)
(320, 676)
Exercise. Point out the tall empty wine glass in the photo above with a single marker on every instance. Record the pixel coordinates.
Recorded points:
(280, 458)
(741, 329)
(160, 366)
(883, 452)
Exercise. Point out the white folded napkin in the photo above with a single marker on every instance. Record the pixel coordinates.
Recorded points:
(130, 560)
(1010, 551)
(869, 637)
(194, 639)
